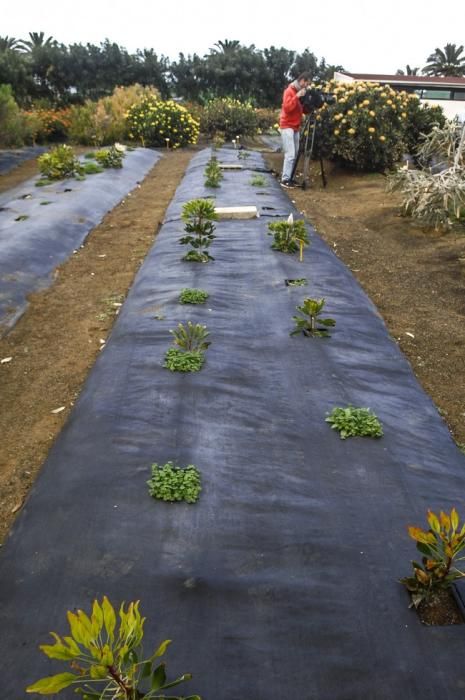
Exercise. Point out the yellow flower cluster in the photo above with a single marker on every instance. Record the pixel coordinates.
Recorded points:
(366, 123)
(162, 123)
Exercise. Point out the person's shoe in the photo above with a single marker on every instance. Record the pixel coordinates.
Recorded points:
(288, 184)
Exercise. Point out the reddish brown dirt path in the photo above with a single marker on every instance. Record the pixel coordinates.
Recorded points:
(415, 277)
(57, 341)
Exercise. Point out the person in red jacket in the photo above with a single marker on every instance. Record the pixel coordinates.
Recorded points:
(289, 124)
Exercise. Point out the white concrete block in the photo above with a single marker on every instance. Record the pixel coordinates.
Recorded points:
(248, 212)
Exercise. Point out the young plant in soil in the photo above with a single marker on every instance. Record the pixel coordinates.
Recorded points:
(310, 322)
(258, 181)
(289, 236)
(110, 157)
(189, 355)
(172, 483)
(213, 174)
(105, 657)
(198, 216)
(243, 155)
(440, 547)
(193, 296)
(59, 163)
(353, 422)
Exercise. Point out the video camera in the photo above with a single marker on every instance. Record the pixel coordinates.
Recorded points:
(314, 99)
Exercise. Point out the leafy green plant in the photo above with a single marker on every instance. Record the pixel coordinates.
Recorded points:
(440, 547)
(191, 341)
(213, 174)
(289, 236)
(299, 282)
(110, 157)
(107, 662)
(258, 181)
(193, 296)
(177, 360)
(172, 483)
(198, 216)
(59, 163)
(91, 169)
(229, 117)
(310, 319)
(353, 422)
(218, 140)
(192, 337)
(243, 155)
(22, 217)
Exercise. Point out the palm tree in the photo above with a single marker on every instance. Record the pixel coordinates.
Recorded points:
(8, 42)
(408, 71)
(37, 40)
(447, 61)
(226, 46)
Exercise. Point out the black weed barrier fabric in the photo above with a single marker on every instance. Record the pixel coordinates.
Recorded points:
(11, 158)
(281, 582)
(41, 226)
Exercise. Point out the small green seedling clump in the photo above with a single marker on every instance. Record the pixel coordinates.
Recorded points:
(105, 657)
(177, 360)
(171, 483)
(310, 322)
(353, 422)
(191, 341)
(289, 236)
(440, 547)
(243, 155)
(300, 282)
(193, 296)
(258, 181)
(213, 174)
(199, 216)
(91, 168)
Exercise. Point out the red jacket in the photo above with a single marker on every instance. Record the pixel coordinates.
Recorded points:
(291, 110)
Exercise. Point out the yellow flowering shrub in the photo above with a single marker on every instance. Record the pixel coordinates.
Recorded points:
(370, 126)
(369, 131)
(230, 117)
(156, 122)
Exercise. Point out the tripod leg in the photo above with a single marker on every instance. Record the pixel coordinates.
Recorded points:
(323, 174)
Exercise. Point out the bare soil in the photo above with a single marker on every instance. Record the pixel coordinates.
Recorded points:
(416, 277)
(56, 342)
(441, 609)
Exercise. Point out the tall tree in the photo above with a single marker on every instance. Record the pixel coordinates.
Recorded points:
(408, 70)
(9, 42)
(36, 40)
(449, 61)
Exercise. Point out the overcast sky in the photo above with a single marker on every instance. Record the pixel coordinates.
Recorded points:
(362, 35)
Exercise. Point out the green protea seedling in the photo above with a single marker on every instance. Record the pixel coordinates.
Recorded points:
(106, 659)
(440, 547)
(289, 236)
(198, 216)
(213, 174)
(310, 321)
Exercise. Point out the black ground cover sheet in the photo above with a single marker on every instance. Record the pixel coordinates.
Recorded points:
(57, 219)
(11, 158)
(281, 582)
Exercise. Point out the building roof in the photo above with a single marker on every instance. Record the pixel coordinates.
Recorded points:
(443, 81)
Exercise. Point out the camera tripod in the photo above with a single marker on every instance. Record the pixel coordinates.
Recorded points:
(306, 148)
